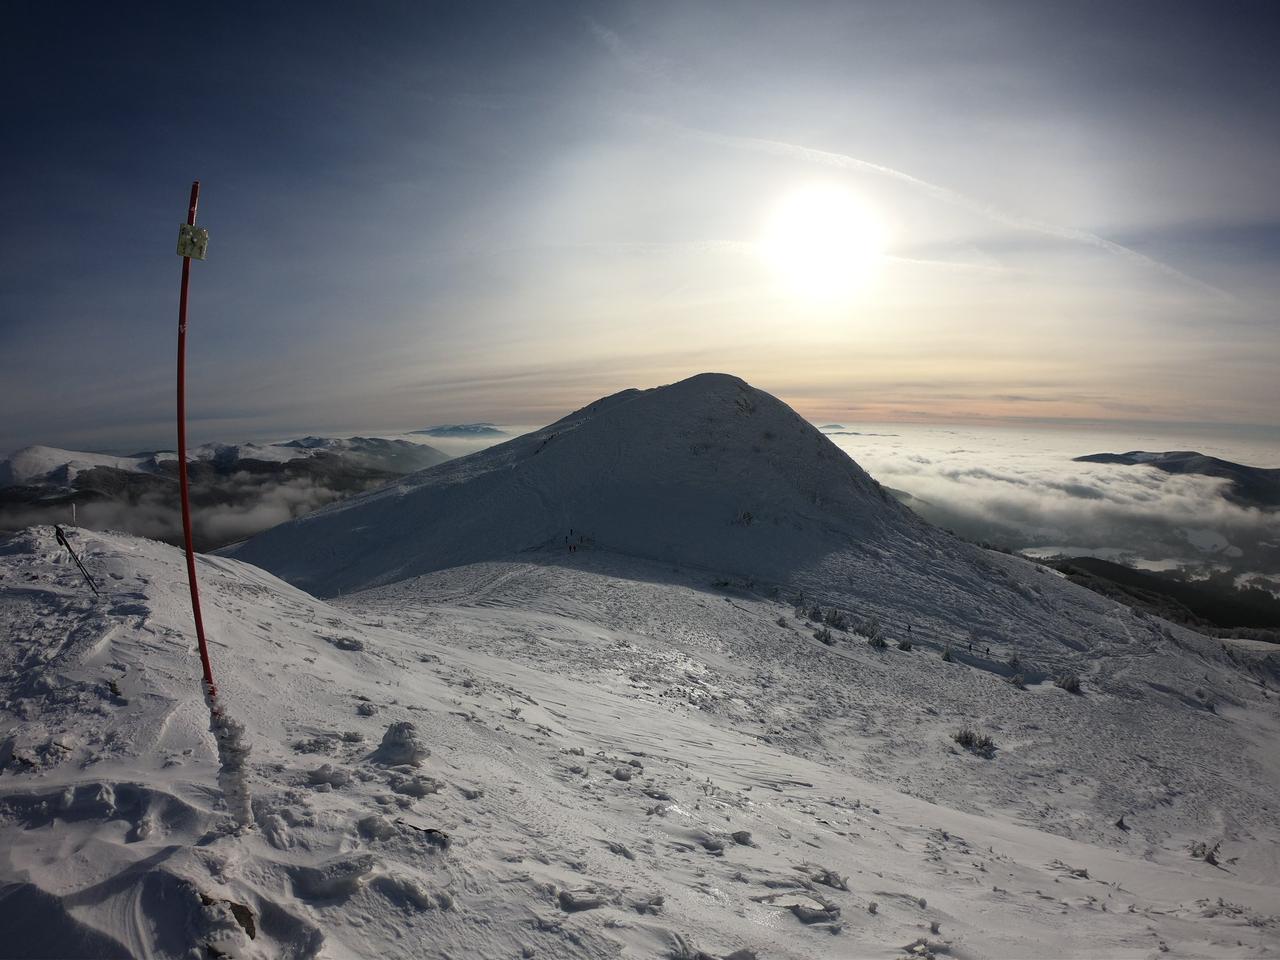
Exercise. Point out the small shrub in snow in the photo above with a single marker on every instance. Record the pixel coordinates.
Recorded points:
(815, 613)
(1019, 681)
(573, 901)
(872, 907)
(374, 827)
(871, 629)
(837, 619)
(416, 786)
(904, 644)
(829, 878)
(401, 745)
(946, 653)
(877, 642)
(826, 912)
(782, 621)
(1068, 681)
(824, 634)
(330, 775)
(1202, 851)
(975, 743)
(1015, 664)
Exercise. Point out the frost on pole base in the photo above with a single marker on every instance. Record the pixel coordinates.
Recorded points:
(233, 761)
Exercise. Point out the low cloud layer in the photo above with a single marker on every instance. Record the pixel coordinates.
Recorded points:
(229, 509)
(1021, 490)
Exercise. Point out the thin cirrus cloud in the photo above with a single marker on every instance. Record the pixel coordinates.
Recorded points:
(463, 217)
(840, 161)
(661, 72)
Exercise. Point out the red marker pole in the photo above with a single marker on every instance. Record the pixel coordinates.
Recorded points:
(233, 751)
(189, 244)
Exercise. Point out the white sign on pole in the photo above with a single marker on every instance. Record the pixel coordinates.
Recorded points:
(193, 241)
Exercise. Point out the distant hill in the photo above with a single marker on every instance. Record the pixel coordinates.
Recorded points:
(1249, 486)
(237, 489)
(463, 430)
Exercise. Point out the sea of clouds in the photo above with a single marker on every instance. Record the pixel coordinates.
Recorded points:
(225, 509)
(1019, 489)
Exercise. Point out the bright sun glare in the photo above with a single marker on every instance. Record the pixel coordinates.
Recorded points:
(823, 243)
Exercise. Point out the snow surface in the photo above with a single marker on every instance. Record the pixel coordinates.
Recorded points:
(596, 754)
(599, 731)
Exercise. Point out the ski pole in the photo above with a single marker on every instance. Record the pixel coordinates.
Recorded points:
(62, 539)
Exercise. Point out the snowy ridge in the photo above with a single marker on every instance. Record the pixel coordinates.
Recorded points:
(35, 465)
(32, 466)
(708, 471)
(618, 760)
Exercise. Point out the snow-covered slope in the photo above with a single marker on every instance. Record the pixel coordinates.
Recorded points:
(625, 761)
(708, 471)
(31, 466)
(638, 743)
(34, 466)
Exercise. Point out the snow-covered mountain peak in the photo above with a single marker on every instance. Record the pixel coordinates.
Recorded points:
(40, 464)
(706, 472)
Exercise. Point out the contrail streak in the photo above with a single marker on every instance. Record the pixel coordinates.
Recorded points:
(842, 161)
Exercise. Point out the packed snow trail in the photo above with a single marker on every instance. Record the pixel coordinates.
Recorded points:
(626, 759)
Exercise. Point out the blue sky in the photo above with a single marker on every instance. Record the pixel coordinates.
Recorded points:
(429, 213)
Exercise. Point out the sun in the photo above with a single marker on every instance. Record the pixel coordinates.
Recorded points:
(822, 242)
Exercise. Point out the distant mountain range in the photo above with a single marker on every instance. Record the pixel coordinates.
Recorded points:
(463, 430)
(1249, 486)
(237, 489)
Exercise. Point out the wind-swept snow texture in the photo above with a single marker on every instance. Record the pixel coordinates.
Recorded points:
(640, 748)
(610, 759)
(709, 472)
